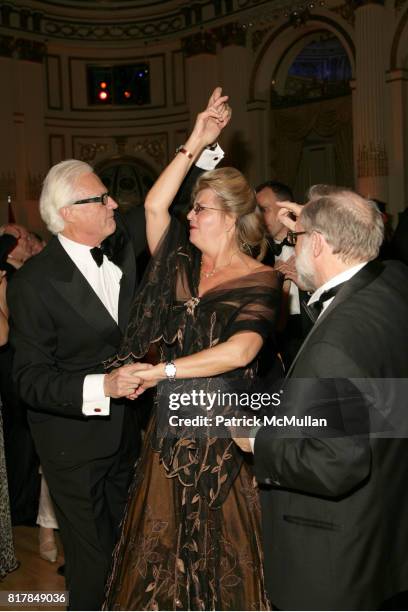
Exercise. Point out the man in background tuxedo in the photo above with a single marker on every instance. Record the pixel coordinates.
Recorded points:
(335, 508)
(295, 322)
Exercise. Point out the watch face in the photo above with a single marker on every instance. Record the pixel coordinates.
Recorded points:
(170, 370)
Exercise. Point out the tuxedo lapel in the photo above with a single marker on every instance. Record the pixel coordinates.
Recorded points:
(75, 289)
(363, 278)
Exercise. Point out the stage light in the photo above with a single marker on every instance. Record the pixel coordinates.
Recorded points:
(127, 94)
(103, 85)
(103, 95)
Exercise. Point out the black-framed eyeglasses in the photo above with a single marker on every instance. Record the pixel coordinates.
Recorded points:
(197, 208)
(292, 237)
(101, 199)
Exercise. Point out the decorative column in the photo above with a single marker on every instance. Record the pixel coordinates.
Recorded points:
(28, 152)
(369, 100)
(233, 61)
(259, 121)
(201, 70)
(397, 128)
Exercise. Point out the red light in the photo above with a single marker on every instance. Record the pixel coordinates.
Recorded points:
(103, 95)
(103, 85)
(127, 94)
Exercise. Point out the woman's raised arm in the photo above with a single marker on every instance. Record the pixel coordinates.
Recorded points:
(206, 131)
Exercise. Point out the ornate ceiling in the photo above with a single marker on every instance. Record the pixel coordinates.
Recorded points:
(138, 21)
(106, 4)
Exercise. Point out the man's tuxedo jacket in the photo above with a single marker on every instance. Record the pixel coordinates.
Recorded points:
(335, 510)
(61, 332)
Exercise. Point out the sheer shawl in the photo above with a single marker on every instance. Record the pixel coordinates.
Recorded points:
(169, 311)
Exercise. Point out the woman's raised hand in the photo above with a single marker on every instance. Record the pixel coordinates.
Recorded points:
(212, 121)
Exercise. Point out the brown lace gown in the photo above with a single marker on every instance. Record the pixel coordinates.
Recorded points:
(190, 537)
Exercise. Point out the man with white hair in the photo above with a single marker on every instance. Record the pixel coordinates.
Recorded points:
(335, 504)
(68, 313)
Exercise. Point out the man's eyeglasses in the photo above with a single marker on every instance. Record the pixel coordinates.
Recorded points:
(197, 208)
(292, 237)
(101, 199)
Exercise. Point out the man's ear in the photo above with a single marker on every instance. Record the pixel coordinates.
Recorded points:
(318, 243)
(65, 212)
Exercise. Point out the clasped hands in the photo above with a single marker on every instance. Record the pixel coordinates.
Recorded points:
(130, 380)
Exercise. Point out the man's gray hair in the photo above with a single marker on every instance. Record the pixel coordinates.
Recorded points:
(352, 225)
(320, 190)
(59, 190)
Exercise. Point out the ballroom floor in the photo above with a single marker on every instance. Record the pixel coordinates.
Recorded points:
(34, 574)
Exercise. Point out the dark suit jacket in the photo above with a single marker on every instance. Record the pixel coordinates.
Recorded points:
(61, 332)
(399, 241)
(335, 510)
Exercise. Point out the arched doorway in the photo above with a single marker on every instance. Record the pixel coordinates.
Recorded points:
(128, 180)
(311, 116)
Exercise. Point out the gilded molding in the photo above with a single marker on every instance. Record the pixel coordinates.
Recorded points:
(231, 34)
(22, 48)
(346, 10)
(258, 36)
(199, 43)
(88, 151)
(154, 147)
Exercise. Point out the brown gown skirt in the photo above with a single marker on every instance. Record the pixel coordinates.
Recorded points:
(176, 555)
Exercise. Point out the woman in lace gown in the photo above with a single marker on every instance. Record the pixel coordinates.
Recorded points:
(191, 534)
(8, 561)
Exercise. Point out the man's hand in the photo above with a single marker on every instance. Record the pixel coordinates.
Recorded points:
(244, 444)
(148, 379)
(288, 210)
(288, 269)
(123, 381)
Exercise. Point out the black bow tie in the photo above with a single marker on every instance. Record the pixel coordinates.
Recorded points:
(97, 254)
(278, 246)
(316, 308)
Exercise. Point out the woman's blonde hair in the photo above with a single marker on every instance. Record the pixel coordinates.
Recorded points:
(237, 198)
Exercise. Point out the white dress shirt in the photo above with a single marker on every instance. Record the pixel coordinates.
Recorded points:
(333, 282)
(209, 158)
(105, 281)
(294, 303)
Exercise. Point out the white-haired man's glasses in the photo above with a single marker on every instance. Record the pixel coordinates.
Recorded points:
(101, 199)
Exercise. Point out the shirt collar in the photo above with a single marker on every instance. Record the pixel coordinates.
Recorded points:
(75, 249)
(336, 280)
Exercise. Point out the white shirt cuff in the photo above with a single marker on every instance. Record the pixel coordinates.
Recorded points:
(209, 159)
(252, 436)
(94, 401)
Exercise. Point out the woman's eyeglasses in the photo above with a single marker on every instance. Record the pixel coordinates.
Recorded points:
(197, 208)
(101, 199)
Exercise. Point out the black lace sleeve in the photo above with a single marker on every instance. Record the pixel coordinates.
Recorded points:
(170, 275)
(257, 305)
